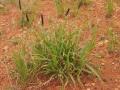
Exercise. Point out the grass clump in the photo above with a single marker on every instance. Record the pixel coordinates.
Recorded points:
(58, 54)
(84, 2)
(25, 69)
(59, 7)
(25, 20)
(21, 66)
(3, 8)
(12, 1)
(15, 40)
(109, 8)
(28, 12)
(113, 45)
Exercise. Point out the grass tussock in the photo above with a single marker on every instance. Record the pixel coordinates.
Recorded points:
(58, 54)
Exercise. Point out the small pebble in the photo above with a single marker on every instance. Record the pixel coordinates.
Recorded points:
(114, 68)
(116, 88)
(102, 64)
(93, 84)
(5, 48)
(116, 80)
(113, 63)
(88, 89)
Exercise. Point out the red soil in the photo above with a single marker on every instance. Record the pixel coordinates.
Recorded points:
(109, 63)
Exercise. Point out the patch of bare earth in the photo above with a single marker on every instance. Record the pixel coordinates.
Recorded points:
(8, 29)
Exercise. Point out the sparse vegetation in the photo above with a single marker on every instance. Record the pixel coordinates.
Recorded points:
(110, 8)
(59, 7)
(15, 40)
(84, 2)
(25, 20)
(113, 45)
(27, 12)
(2, 9)
(21, 66)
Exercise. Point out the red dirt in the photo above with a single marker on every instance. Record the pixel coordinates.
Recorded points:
(109, 63)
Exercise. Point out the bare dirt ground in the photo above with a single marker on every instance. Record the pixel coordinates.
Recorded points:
(109, 63)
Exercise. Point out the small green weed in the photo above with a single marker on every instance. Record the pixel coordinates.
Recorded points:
(27, 13)
(77, 4)
(3, 8)
(59, 7)
(109, 8)
(113, 45)
(15, 40)
(21, 66)
(25, 20)
(12, 1)
(84, 2)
